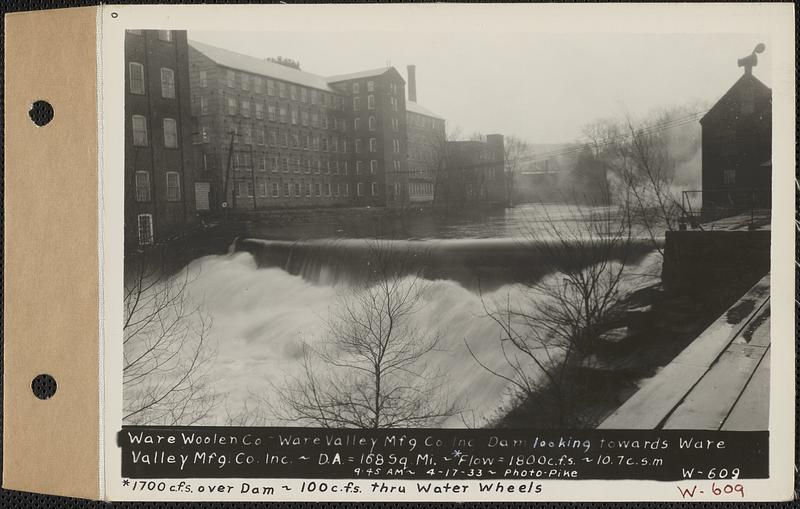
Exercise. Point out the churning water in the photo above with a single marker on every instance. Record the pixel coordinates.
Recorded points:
(268, 297)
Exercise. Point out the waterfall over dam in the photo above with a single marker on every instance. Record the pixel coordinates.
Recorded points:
(473, 263)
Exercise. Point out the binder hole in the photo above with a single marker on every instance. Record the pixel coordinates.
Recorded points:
(41, 113)
(44, 386)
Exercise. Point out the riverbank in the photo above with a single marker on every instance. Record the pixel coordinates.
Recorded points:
(647, 329)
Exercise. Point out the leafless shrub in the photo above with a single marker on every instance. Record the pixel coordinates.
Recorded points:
(166, 349)
(370, 371)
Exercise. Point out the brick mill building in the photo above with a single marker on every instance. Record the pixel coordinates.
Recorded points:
(475, 171)
(298, 139)
(427, 145)
(159, 182)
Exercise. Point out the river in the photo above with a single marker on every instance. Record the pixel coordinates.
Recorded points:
(269, 296)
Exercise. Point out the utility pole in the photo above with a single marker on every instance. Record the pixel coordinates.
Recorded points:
(225, 204)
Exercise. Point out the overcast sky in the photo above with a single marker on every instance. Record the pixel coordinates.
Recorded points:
(541, 87)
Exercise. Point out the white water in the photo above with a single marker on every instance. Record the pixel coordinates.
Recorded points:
(262, 316)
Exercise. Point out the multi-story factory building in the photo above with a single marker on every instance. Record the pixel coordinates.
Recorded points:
(159, 182)
(377, 104)
(475, 171)
(268, 134)
(427, 147)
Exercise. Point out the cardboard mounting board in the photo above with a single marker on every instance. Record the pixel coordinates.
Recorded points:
(51, 282)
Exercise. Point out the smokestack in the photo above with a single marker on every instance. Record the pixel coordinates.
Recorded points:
(412, 83)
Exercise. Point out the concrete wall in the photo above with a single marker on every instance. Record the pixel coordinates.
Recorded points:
(729, 262)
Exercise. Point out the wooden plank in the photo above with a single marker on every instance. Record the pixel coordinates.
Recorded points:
(658, 396)
(704, 350)
(751, 412)
(709, 402)
(757, 331)
(656, 399)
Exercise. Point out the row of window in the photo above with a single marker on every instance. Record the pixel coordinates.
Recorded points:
(423, 121)
(244, 161)
(136, 80)
(370, 103)
(420, 189)
(276, 113)
(140, 137)
(282, 138)
(163, 35)
(142, 186)
(276, 88)
(301, 189)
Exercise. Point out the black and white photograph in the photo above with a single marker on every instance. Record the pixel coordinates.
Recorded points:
(545, 231)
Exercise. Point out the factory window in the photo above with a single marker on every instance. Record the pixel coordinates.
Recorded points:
(729, 177)
(136, 71)
(271, 113)
(356, 88)
(145, 223)
(293, 92)
(373, 145)
(231, 78)
(356, 103)
(370, 86)
(358, 167)
(173, 186)
(165, 35)
(246, 109)
(231, 106)
(245, 79)
(139, 130)
(374, 189)
(203, 79)
(373, 166)
(371, 102)
(327, 189)
(347, 189)
(297, 189)
(142, 186)
(275, 190)
(360, 189)
(356, 122)
(287, 189)
(372, 123)
(270, 87)
(319, 189)
(258, 87)
(259, 111)
(170, 133)
(281, 89)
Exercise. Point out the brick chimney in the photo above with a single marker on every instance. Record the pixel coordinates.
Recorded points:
(412, 83)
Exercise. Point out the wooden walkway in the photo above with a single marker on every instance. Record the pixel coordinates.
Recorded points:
(719, 382)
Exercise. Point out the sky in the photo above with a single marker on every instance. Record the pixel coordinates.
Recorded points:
(541, 87)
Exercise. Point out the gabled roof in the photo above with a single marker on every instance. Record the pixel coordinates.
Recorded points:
(745, 80)
(261, 66)
(358, 75)
(421, 110)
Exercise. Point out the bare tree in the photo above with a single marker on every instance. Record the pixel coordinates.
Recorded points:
(552, 325)
(516, 153)
(642, 158)
(370, 371)
(166, 350)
